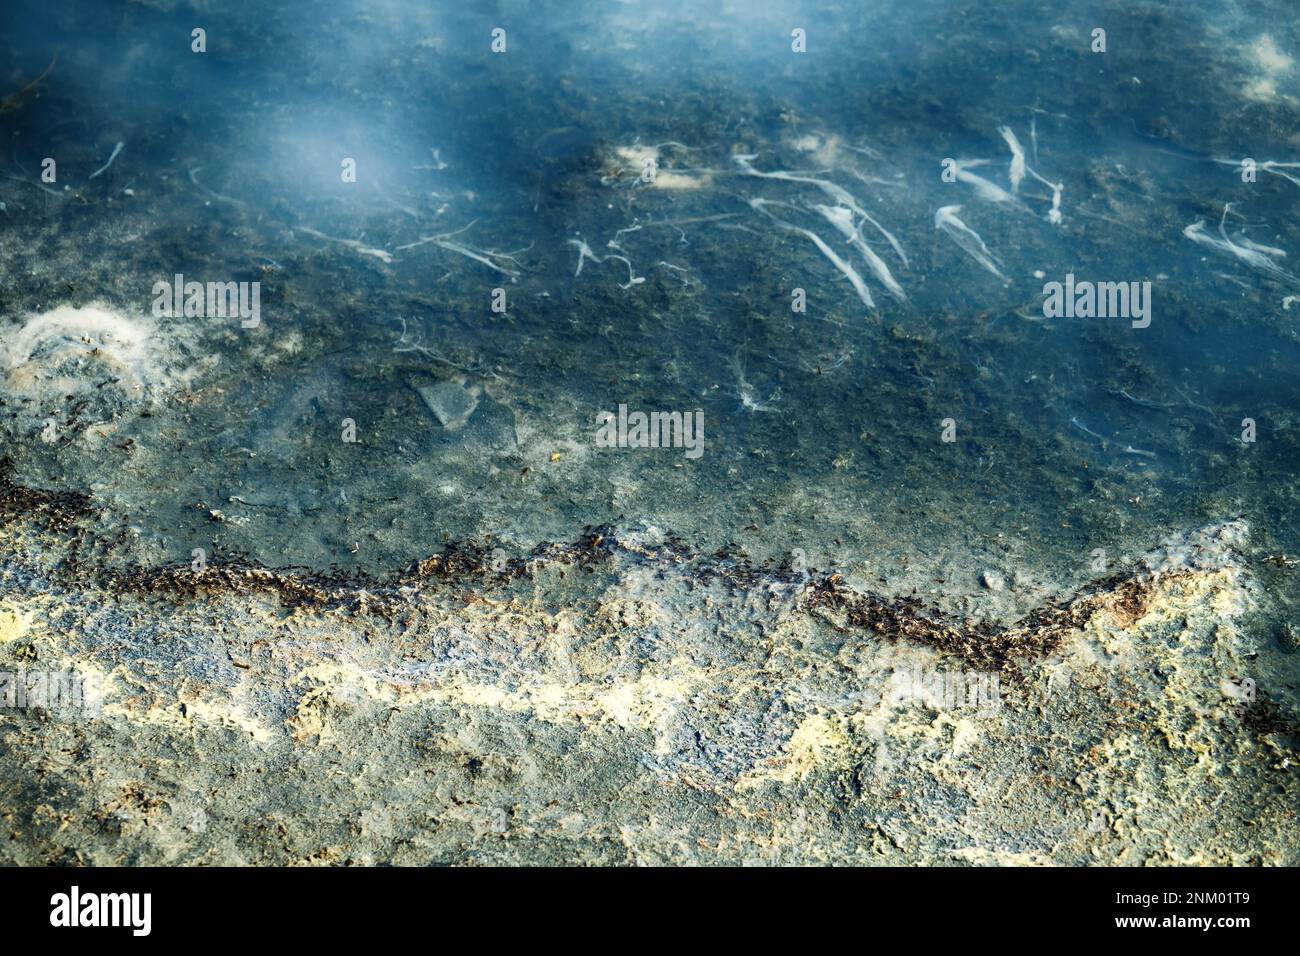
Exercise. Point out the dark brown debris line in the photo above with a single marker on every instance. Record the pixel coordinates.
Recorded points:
(982, 644)
(59, 511)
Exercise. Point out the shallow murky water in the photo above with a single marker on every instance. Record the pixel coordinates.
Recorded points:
(824, 235)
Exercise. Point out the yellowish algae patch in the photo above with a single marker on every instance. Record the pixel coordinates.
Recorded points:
(126, 697)
(817, 739)
(640, 704)
(14, 622)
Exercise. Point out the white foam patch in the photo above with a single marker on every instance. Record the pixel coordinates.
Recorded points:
(69, 350)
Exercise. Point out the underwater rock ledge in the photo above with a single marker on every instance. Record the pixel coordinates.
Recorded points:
(596, 700)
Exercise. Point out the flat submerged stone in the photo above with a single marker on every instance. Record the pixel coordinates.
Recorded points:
(451, 404)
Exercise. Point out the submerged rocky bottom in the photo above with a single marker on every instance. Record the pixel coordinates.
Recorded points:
(623, 699)
(319, 544)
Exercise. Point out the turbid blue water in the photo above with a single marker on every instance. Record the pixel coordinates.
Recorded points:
(591, 164)
(728, 358)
